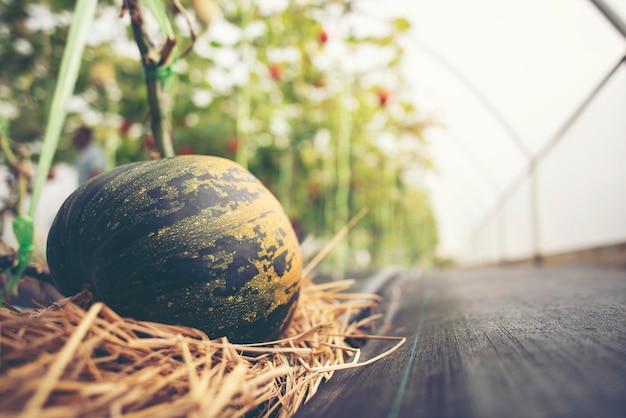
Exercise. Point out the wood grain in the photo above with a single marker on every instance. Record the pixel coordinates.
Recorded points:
(502, 342)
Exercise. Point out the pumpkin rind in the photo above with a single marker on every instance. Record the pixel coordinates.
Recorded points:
(190, 240)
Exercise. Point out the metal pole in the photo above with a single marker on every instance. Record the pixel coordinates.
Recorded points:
(611, 16)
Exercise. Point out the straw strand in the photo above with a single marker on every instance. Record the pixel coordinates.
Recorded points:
(65, 361)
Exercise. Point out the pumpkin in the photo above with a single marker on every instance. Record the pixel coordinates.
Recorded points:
(188, 240)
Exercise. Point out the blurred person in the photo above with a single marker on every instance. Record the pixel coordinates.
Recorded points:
(91, 159)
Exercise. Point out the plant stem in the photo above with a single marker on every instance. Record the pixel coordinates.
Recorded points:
(243, 99)
(22, 174)
(156, 66)
(344, 174)
(158, 119)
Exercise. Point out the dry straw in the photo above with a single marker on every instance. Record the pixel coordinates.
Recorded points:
(77, 358)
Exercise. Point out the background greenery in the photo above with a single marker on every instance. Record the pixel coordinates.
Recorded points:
(309, 95)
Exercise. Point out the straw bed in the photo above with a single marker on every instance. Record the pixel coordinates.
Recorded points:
(77, 358)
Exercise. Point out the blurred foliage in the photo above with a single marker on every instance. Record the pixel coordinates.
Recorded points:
(298, 91)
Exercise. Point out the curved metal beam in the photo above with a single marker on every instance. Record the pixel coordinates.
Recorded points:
(504, 123)
(611, 16)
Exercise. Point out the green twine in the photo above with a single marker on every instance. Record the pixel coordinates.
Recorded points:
(397, 402)
(157, 9)
(24, 230)
(163, 73)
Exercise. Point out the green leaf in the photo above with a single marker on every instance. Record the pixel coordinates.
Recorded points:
(84, 14)
(4, 125)
(24, 230)
(158, 11)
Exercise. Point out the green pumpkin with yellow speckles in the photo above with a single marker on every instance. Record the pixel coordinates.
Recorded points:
(188, 240)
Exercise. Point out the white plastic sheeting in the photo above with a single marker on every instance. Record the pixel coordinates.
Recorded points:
(513, 82)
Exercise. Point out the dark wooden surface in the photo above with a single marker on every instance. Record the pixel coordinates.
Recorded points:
(501, 342)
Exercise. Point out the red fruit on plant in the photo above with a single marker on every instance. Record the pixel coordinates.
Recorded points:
(322, 36)
(276, 71)
(383, 96)
(314, 189)
(319, 82)
(149, 142)
(125, 127)
(232, 145)
(186, 150)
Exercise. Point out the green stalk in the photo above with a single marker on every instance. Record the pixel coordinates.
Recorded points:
(23, 226)
(158, 68)
(158, 11)
(22, 179)
(285, 177)
(111, 142)
(344, 177)
(243, 119)
(159, 122)
(387, 217)
(84, 15)
(328, 186)
(244, 99)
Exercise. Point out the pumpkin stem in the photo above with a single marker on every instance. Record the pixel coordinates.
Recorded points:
(158, 67)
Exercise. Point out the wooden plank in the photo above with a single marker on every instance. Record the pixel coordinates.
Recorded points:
(514, 342)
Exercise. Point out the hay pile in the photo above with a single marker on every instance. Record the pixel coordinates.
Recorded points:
(77, 358)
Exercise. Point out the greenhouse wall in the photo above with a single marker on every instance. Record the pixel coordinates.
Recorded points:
(580, 185)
